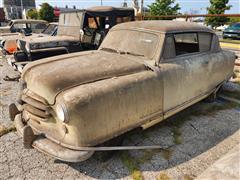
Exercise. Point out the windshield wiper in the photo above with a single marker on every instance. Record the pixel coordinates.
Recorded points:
(109, 49)
(131, 53)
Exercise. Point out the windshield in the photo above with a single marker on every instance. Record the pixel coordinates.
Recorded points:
(70, 24)
(235, 26)
(131, 42)
(50, 29)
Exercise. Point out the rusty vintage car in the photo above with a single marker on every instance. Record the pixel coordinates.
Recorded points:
(143, 73)
(77, 31)
(24, 25)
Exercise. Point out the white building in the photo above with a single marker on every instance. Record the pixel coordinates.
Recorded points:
(14, 9)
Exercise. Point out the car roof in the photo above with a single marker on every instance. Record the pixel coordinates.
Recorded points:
(29, 21)
(107, 9)
(164, 26)
(103, 11)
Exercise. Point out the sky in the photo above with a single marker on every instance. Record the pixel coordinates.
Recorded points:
(195, 6)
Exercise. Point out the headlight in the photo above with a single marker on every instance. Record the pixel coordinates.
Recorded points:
(61, 113)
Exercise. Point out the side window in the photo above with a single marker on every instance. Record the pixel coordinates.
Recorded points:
(205, 41)
(169, 48)
(92, 23)
(38, 26)
(215, 44)
(186, 43)
(19, 26)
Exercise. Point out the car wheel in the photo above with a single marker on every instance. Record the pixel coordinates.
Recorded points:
(104, 156)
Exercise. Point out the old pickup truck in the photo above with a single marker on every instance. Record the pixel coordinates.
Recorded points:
(77, 31)
(26, 25)
(8, 41)
(143, 73)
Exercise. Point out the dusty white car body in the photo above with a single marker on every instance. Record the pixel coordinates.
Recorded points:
(143, 73)
(10, 39)
(28, 25)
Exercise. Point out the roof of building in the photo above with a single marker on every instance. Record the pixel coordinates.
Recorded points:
(29, 21)
(164, 26)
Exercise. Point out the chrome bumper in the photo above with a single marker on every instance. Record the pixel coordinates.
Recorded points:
(44, 145)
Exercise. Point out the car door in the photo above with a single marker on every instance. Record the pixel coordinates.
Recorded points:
(184, 71)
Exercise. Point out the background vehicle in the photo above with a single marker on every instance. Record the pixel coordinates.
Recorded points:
(26, 25)
(232, 31)
(77, 31)
(8, 41)
(143, 73)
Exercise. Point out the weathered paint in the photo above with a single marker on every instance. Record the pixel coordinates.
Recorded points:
(105, 94)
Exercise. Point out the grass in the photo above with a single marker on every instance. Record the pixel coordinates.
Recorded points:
(230, 41)
(167, 153)
(177, 135)
(187, 177)
(163, 176)
(132, 165)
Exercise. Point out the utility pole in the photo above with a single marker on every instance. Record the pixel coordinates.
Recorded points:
(22, 8)
(141, 7)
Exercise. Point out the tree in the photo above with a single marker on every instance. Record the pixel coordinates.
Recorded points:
(217, 7)
(233, 20)
(164, 7)
(32, 14)
(46, 12)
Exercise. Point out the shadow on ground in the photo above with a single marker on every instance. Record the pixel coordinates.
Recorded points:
(183, 137)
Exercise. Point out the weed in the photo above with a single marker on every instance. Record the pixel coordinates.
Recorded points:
(167, 153)
(163, 176)
(132, 165)
(177, 138)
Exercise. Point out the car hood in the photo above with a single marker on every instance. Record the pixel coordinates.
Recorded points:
(5, 36)
(4, 29)
(231, 30)
(50, 76)
(12, 36)
(50, 42)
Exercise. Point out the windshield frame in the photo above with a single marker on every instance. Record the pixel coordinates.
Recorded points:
(52, 32)
(155, 53)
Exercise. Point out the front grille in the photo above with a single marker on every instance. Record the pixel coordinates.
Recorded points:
(34, 106)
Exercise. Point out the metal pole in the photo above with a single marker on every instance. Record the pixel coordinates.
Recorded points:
(22, 8)
(101, 3)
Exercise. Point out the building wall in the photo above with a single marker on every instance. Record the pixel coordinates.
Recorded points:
(13, 8)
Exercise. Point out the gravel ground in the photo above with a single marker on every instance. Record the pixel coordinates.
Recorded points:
(192, 141)
(8, 91)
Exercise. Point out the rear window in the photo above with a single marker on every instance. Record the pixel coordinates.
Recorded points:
(186, 43)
